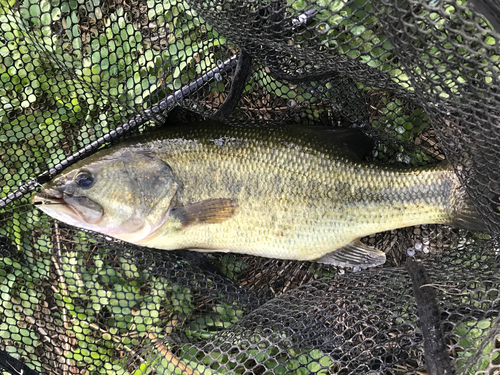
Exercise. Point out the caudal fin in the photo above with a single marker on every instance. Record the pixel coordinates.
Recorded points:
(464, 214)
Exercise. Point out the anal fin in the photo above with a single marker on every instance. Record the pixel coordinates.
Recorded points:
(355, 254)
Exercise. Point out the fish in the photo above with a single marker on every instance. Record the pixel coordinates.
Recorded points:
(285, 193)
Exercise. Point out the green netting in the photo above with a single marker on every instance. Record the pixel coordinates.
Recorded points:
(419, 78)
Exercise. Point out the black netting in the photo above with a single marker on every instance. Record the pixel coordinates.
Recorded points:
(419, 78)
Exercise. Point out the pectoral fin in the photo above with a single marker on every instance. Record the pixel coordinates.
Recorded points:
(210, 211)
(355, 254)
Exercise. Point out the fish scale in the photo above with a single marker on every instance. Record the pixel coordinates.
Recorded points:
(284, 193)
(324, 227)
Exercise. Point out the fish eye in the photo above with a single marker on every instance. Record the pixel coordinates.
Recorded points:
(84, 179)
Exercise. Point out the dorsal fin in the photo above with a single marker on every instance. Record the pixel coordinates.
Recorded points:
(353, 141)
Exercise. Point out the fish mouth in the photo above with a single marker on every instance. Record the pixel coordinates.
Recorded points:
(75, 210)
(48, 196)
(52, 203)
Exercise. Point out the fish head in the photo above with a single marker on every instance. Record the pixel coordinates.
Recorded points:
(125, 194)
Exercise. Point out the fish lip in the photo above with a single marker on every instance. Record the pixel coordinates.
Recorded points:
(48, 196)
(50, 199)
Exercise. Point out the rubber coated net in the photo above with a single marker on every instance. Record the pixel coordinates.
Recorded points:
(419, 77)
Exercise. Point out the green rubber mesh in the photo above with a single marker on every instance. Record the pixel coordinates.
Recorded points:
(420, 77)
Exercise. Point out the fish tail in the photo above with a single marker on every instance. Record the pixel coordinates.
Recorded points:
(463, 212)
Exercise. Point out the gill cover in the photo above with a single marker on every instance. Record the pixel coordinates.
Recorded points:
(155, 187)
(155, 181)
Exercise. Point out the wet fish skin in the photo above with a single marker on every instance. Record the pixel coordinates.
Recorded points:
(286, 193)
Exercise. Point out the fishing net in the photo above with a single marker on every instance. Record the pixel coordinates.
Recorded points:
(419, 77)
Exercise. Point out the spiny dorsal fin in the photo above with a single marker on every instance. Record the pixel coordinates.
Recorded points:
(355, 254)
(352, 141)
(210, 211)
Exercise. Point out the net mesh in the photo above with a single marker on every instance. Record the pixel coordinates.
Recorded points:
(419, 77)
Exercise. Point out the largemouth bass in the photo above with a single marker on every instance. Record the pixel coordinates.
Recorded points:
(283, 193)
